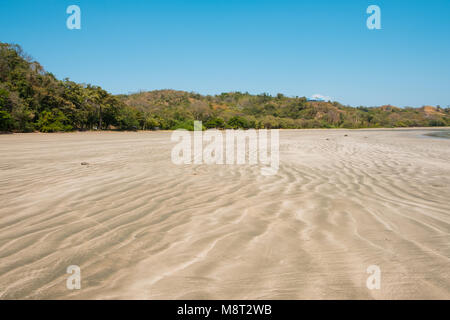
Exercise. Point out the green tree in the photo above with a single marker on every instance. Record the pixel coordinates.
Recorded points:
(6, 121)
(53, 121)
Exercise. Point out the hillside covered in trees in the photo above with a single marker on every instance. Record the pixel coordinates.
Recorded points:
(32, 99)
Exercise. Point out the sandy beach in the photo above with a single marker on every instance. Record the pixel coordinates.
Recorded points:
(141, 227)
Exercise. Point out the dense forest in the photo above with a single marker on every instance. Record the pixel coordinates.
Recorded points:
(32, 99)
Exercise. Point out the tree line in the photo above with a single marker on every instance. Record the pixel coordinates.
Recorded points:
(32, 99)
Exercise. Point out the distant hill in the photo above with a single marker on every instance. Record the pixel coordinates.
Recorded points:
(243, 110)
(33, 99)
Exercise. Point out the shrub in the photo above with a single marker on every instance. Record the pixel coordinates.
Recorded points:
(237, 122)
(215, 123)
(151, 123)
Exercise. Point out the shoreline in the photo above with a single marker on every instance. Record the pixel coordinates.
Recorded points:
(281, 129)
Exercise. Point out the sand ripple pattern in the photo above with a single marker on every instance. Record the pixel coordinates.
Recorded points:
(142, 227)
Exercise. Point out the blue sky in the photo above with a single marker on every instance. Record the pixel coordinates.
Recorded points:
(298, 48)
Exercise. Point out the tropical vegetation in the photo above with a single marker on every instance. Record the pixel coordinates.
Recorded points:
(32, 99)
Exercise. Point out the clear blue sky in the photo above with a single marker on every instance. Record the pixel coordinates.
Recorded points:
(293, 47)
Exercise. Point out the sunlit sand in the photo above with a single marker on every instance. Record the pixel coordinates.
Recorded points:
(140, 226)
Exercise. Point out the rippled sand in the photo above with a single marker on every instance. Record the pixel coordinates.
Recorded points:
(142, 227)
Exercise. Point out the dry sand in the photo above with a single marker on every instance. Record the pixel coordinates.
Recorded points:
(142, 227)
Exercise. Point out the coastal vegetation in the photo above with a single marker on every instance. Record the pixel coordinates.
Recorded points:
(32, 99)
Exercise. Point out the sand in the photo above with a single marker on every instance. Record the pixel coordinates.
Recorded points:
(141, 227)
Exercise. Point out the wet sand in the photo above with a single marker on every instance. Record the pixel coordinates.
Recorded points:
(141, 227)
